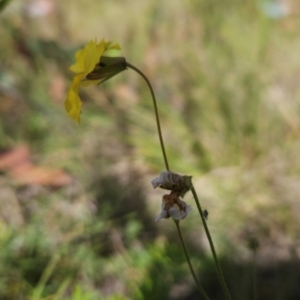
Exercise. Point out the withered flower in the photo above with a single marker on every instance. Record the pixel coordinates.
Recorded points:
(171, 181)
(173, 206)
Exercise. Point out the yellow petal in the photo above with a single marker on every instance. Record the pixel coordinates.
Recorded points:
(88, 57)
(111, 45)
(73, 102)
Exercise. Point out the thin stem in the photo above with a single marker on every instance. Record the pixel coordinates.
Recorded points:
(219, 271)
(156, 113)
(200, 288)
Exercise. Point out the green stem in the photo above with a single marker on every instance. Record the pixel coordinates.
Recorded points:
(219, 271)
(200, 288)
(156, 113)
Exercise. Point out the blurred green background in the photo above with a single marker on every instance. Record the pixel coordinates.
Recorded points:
(77, 208)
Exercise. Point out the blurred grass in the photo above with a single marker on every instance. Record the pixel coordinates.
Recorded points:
(225, 76)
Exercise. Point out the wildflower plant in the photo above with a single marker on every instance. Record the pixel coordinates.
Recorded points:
(98, 62)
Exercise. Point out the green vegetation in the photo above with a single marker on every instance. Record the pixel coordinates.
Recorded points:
(77, 208)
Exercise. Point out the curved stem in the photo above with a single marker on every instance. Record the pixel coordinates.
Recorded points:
(219, 271)
(156, 113)
(200, 288)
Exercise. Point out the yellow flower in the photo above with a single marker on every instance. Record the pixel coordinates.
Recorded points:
(93, 66)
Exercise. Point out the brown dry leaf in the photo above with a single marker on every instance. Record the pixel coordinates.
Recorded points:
(14, 157)
(19, 166)
(42, 176)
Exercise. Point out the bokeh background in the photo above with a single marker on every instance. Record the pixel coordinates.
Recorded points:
(77, 208)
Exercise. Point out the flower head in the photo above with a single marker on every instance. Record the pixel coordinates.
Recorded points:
(171, 181)
(173, 207)
(95, 63)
